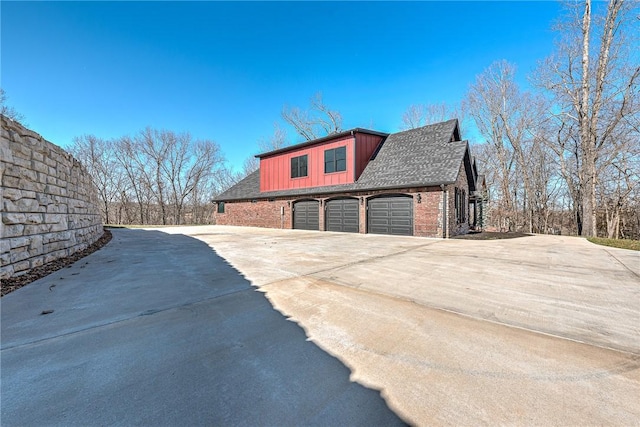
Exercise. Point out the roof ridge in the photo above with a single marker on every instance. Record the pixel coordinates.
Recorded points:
(426, 126)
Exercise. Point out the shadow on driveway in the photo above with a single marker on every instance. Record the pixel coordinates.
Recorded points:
(157, 329)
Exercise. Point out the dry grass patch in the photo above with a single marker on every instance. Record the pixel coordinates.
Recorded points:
(633, 245)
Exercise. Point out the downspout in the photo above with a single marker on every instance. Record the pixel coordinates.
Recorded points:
(445, 227)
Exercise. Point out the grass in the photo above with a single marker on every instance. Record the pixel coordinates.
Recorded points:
(633, 245)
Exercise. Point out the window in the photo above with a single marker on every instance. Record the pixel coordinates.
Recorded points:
(335, 160)
(465, 204)
(220, 207)
(460, 202)
(456, 200)
(299, 166)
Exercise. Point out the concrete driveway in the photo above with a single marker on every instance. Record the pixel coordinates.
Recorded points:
(259, 326)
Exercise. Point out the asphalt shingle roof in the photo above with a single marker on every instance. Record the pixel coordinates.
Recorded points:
(247, 188)
(417, 157)
(422, 156)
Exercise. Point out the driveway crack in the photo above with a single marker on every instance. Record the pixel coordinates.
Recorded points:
(623, 264)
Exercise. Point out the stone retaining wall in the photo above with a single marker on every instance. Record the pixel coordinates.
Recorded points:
(49, 203)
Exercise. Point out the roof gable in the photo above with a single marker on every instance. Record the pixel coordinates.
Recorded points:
(416, 156)
(442, 132)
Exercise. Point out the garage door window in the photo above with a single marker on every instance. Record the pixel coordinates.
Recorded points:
(335, 160)
(299, 166)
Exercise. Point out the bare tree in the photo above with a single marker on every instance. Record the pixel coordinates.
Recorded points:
(418, 115)
(250, 165)
(153, 150)
(276, 141)
(593, 81)
(614, 189)
(200, 202)
(157, 176)
(618, 184)
(499, 206)
(563, 142)
(318, 121)
(330, 121)
(7, 110)
(483, 102)
(188, 165)
(171, 167)
(225, 179)
(513, 123)
(134, 166)
(97, 156)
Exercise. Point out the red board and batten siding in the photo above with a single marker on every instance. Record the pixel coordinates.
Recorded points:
(366, 144)
(275, 171)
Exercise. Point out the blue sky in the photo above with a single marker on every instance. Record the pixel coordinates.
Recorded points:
(224, 71)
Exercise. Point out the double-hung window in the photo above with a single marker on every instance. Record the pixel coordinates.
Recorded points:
(335, 160)
(299, 166)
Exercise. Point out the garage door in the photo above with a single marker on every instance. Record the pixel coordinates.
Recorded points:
(390, 215)
(343, 215)
(306, 215)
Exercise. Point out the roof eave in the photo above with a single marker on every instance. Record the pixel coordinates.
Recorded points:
(468, 166)
(270, 195)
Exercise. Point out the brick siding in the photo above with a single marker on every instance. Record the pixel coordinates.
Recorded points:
(427, 213)
(260, 213)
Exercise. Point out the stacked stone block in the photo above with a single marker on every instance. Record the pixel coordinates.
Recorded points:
(49, 203)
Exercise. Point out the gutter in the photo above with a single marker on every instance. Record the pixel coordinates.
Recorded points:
(270, 195)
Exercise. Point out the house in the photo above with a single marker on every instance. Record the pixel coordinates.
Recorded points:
(419, 182)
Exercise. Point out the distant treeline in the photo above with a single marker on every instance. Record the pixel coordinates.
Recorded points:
(154, 177)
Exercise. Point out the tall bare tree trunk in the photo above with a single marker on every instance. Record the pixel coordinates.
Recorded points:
(597, 95)
(586, 133)
(590, 108)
